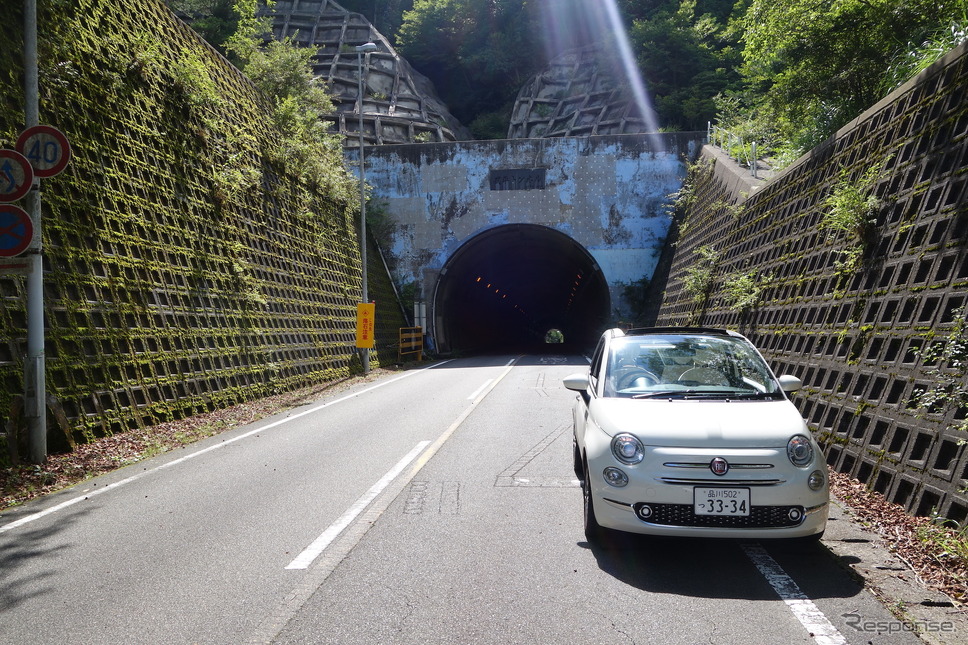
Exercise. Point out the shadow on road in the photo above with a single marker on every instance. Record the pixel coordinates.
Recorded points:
(25, 557)
(708, 568)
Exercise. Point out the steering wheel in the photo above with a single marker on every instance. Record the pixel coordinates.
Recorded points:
(629, 378)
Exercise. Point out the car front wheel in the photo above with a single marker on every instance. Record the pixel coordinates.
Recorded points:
(593, 530)
(577, 463)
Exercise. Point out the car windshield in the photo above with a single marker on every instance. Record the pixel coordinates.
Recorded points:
(691, 366)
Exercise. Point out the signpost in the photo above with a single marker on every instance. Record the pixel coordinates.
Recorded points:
(35, 376)
(43, 152)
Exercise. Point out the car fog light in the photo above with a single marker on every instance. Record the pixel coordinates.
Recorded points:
(644, 511)
(795, 514)
(615, 477)
(816, 480)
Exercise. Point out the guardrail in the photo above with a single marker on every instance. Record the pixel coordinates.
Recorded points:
(733, 145)
(411, 342)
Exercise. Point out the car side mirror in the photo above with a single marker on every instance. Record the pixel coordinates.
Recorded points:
(790, 383)
(577, 382)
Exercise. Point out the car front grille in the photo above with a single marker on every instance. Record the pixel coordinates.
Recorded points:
(760, 517)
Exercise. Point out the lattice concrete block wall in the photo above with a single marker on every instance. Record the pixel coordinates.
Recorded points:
(399, 104)
(583, 92)
(186, 270)
(856, 339)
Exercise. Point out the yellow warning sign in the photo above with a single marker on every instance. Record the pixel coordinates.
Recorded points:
(365, 312)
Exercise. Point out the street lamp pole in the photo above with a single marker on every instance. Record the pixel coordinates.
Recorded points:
(360, 50)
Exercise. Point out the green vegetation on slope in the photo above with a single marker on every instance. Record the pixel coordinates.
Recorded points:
(811, 67)
(195, 257)
(788, 73)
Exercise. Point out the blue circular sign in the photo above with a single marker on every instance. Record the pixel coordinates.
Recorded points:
(16, 231)
(16, 176)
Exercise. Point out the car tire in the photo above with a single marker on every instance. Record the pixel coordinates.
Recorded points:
(593, 530)
(578, 467)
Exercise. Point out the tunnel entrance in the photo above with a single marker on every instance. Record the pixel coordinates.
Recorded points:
(507, 288)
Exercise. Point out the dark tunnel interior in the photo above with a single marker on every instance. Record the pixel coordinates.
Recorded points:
(506, 288)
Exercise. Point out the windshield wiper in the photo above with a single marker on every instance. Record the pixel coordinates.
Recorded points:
(770, 396)
(664, 394)
(703, 394)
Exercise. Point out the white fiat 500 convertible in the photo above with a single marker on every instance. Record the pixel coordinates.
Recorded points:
(686, 432)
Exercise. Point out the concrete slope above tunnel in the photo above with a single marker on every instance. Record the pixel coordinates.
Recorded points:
(505, 288)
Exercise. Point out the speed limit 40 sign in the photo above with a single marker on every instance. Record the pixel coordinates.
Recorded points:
(46, 149)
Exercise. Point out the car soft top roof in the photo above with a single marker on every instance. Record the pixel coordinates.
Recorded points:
(708, 331)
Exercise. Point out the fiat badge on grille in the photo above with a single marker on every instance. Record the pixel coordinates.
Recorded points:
(719, 466)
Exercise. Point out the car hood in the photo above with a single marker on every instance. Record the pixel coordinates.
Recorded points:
(700, 423)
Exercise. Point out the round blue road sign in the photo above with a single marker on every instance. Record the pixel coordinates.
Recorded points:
(16, 176)
(16, 231)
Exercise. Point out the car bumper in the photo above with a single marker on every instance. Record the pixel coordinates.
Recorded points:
(624, 517)
(659, 499)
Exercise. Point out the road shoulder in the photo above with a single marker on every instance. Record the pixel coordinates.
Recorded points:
(932, 614)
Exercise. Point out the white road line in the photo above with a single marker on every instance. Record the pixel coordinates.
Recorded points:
(480, 389)
(306, 558)
(63, 505)
(273, 624)
(809, 615)
(292, 417)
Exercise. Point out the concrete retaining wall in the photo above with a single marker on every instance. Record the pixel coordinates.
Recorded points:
(859, 339)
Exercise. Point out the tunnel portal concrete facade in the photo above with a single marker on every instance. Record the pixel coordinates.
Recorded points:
(612, 195)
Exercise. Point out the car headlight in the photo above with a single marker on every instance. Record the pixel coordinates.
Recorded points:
(627, 448)
(800, 450)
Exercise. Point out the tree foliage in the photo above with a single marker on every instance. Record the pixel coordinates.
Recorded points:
(688, 56)
(385, 15)
(283, 72)
(215, 20)
(787, 73)
(478, 54)
(810, 66)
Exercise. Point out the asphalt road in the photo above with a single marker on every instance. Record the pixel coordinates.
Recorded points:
(434, 506)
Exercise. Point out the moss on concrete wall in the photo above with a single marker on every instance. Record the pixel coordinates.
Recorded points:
(186, 268)
(855, 312)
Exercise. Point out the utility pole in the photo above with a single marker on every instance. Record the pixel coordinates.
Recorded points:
(35, 386)
(365, 48)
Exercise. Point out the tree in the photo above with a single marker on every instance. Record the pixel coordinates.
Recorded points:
(687, 58)
(813, 65)
(215, 20)
(478, 54)
(385, 15)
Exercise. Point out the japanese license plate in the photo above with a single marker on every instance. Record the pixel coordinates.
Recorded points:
(721, 501)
